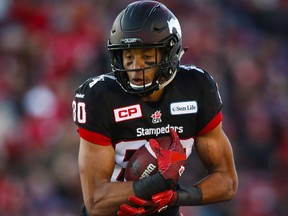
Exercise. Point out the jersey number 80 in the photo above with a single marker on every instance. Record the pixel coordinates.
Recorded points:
(79, 112)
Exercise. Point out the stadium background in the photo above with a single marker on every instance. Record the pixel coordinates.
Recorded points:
(48, 47)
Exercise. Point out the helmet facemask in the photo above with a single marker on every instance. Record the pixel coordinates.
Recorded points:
(166, 69)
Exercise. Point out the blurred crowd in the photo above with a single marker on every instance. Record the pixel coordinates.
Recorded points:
(49, 47)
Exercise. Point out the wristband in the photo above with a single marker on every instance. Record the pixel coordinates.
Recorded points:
(149, 186)
(189, 196)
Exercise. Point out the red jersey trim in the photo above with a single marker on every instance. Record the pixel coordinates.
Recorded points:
(94, 137)
(212, 124)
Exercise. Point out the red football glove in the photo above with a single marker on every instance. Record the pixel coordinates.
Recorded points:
(142, 208)
(171, 162)
(159, 202)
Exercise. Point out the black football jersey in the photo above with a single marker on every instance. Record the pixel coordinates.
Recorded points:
(107, 115)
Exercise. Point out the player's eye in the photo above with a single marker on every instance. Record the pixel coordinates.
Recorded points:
(148, 58)
(128, 57)
(151, 63)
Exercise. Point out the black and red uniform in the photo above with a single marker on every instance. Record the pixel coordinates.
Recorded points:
(107, 115)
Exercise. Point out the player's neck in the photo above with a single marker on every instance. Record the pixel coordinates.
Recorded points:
(154, 97)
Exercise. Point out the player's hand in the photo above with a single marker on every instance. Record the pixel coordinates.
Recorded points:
(159, 202)
(171, 162)
(139, 207)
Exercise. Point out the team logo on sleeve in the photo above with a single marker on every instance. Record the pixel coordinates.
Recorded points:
(156, 117)
(127, 113)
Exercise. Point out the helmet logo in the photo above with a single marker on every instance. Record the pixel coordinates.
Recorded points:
(131, 40)
(174, 23)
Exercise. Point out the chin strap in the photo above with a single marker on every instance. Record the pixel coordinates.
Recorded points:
(135, 87)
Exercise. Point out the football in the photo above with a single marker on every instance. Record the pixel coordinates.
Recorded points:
(143, 162)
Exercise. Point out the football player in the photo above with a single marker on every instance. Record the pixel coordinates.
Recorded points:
(149, 95)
